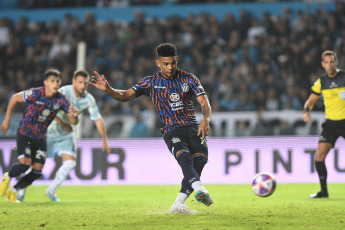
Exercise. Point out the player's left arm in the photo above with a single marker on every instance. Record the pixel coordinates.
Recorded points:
(103, 132)
(204, 127)
(64, 125)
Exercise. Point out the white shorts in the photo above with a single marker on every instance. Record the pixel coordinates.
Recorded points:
(61, 145)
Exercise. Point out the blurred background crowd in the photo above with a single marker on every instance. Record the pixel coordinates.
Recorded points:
(45, 4)
(248, 63)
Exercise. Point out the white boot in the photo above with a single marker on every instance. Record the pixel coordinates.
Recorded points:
(181, 208)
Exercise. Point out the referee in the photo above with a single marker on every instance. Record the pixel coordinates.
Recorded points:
(331, 85)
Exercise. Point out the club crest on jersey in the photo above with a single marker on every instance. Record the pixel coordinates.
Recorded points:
(46, 112)
(185, 88)
(174, 97)
(56, 106)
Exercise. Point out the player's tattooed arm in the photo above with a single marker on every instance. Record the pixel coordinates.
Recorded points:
(204, 127)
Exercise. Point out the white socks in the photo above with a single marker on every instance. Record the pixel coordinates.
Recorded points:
(62, 174)
(198, 186)
(181, 198)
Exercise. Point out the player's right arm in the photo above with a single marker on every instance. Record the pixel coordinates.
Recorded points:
(12, 103)
(101, 83)
(73, 115)
(308, 106)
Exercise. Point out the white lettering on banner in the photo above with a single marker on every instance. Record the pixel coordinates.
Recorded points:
(231, 161)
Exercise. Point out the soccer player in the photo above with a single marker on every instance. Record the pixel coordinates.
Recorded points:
(171, 91)
(331, 85)
(61, 137)
(42, 106)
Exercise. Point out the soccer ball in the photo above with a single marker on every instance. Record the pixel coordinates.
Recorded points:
(264, 184)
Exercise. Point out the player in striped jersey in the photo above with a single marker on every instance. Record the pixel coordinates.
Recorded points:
(42, 106)
(61, 135)
(171, 90)
(331, 85)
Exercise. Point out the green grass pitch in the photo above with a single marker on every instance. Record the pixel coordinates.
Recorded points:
(146, 207)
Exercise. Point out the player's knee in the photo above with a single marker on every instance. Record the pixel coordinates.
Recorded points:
(70, 164)
(185, 158)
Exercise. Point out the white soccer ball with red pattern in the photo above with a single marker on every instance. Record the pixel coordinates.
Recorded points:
(264, 184)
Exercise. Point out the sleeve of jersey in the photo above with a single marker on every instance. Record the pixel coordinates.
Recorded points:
(142, 87)
(196, 86)
(316, 88)
(93, 110)
(30, 95)
(65, 104)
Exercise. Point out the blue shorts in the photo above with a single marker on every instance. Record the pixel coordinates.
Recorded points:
(61, 145)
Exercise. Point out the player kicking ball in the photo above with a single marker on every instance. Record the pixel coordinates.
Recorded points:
(171, 91)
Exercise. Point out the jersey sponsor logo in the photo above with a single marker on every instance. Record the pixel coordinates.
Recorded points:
(175, 140)
(174, 97)
(185, 88)
(44, 116)
(159, 87)
(39, 103)
(176, 105)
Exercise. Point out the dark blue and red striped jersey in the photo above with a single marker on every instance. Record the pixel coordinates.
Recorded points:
(40, 112)
(173, 99)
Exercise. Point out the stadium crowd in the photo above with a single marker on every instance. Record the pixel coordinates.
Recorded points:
(244, 64)
(44, 4)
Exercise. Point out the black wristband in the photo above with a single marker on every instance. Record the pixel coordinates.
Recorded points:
(306, 109)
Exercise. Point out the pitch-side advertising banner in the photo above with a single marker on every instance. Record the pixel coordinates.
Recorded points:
(231, 161)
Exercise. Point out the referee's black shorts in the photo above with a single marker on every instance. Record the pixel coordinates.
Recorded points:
(331, 130)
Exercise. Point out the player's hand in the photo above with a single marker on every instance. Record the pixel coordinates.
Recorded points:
(66, 127)
(105, 147)
(4, 126)
(307, 117)
(204, 129)
(99, 82)
(74, 110)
